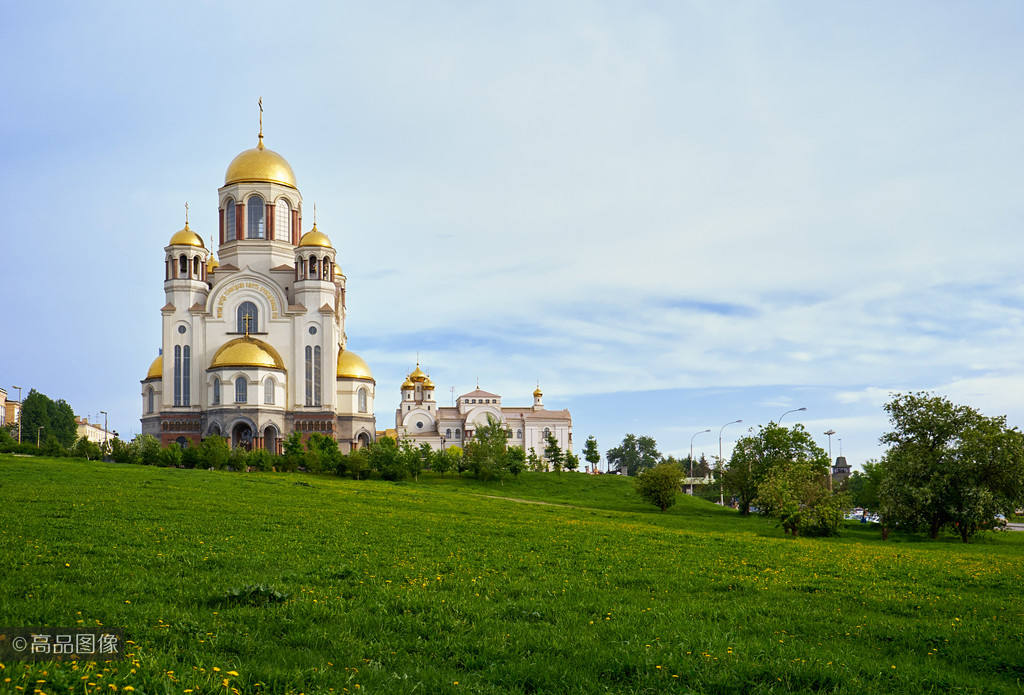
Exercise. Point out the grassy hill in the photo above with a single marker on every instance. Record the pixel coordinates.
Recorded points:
(447, 586)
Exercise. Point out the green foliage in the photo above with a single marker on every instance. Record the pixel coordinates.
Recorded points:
(516, 458)
(148, 448)
(294, 454)
(321, 453)
(948, 466)
(357, 463)
(863, 486)
(635, 454)
(755, 457)
(85, 449)
(171, 455)
(534, 462)
(553, 454)
(214, 453)
(253, 595)
(485, 453)
(659, 485)
(123, 452)
(591, 454)
(796, 493)
(260, 460)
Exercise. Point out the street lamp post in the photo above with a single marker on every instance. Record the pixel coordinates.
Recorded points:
(104, 412)
(691, 459)
(20, 413)
(797, 410)
(721, 492)
(830, 433)
(39, 432)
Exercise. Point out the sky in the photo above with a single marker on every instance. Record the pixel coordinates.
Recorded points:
(669, 215)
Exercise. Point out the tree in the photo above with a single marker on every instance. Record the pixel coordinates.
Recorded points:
(796, 493)
(293, 454)
(590, 452)
(516, 456)
(659, 485)
(572, 461)
(756, 455)
(214, 452)
(863, 486)
(535, 462)
(634, 455)
(948, 465)
(84, 449)
(553, 453)
(485, 453)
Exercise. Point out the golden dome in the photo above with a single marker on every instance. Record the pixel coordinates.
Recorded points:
(407, 384)
(186, 237)
(260, 164)
(428, 384)
(418, 374)
(315, 237)
(352, 366)
(246, 352)
(212, 264)
(537, 393)
(156, 370)
(337, 270)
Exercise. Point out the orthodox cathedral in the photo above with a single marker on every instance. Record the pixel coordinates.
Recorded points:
(253, 346)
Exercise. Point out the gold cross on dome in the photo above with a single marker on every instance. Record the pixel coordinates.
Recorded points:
(245, 319)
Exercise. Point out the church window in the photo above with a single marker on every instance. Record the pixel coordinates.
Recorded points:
(419, 425)
(182, 266)
(177, 375)
(458, 433)
(448, 433)
(254, 214)
(312, 267)
(241, 390)
(309, 375)
(283, 220)
(216, 391)
(195, 267)
(229, 220)
(268, 391)
(247, 313)
(150, 398)
(317, 381)
(547, 431)
(362, 400)
(186, 376)
(519, 434)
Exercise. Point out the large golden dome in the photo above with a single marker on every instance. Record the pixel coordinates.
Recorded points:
(418, 375)
(352, 366)
(156, 370)
(260, 164)
(186, 237)
(247, 352)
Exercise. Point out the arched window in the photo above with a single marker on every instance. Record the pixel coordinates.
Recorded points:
(312, 267)
(547, 431)
(254, 214)
(186, 376)
(282, 220)
(248, 318)
(448, 433)
(317, 381)
(362, 400)
(268, 391)
(519, 434)
(182, 266)
(150, 399)
(195, 267)
(309, 375)
(177, 375)
(216, 390)
(241, 390)
(458, 433)
(229, 220)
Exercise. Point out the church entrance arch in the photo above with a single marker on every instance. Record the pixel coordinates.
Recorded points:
(363, 440)
(241, 436)
(270, 437)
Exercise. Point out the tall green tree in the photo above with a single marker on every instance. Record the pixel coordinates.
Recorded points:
(659, 485)
(591, 453)
(948, 466)
(755, 456)
(485, 452)
(553, 454)
(863, 486)
(635, 454)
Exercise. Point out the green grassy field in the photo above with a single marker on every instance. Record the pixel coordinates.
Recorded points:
(441, 586)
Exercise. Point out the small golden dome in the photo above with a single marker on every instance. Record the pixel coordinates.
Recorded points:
(212, 264)
(315, 237)
(418, 375)
(407, 384)
(156, 370)
(352, 366)
(186, 237)
(537, 393)
(246, 352)
(260, 164)
(428, 384)
(337, 271)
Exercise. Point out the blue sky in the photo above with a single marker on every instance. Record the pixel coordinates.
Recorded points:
(669, 214)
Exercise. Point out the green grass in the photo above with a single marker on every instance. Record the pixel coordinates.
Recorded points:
(440, 586)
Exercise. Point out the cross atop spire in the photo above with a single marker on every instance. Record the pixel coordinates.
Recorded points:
(261, 123)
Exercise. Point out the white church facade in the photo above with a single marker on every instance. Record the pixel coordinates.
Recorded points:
(253, 345)
(420, 419)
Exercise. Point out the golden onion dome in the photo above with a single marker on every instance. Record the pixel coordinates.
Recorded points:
(186, 237)
(428, 384)
(212, 264)
(337, 270)
(407, 384)
(352, 366)
(260, 164)
(156, 370)
(537, 393)
(315, 237)
(418, 375)
(246, 352)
